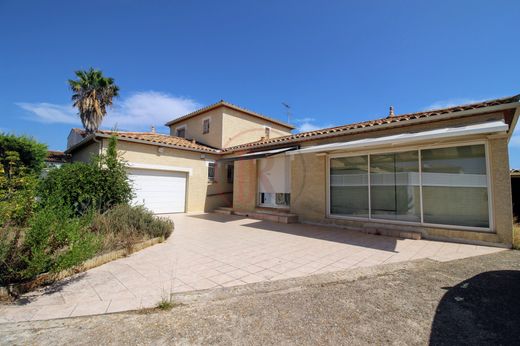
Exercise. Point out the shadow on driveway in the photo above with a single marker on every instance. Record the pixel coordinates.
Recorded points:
(483, 310)
(324, 233)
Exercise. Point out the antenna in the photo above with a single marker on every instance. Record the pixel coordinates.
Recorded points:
(288, 112)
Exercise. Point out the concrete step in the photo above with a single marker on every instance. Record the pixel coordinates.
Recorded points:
(223, 210)
(275, 217)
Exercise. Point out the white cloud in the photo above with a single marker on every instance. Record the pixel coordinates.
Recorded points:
(452, 103)
(50, 113)
(138, 111)
(309, 124)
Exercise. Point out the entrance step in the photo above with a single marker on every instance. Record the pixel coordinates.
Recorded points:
(224, 210)
(280, 217)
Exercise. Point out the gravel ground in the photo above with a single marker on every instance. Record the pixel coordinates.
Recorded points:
(470, 301)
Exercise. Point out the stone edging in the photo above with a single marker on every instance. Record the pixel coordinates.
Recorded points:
(10, 292)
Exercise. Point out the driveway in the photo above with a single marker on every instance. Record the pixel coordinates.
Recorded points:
(210, 251)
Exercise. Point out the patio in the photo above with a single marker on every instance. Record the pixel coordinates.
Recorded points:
(210, 251)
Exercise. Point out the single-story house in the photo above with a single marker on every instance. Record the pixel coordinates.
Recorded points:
(439, 174)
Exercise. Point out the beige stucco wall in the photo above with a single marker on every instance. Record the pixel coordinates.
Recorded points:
(85, 153)
(239, 128)
(229, 127)
(201, 195)
(245, 185)
(194, 128)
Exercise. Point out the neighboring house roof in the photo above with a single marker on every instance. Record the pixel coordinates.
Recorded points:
(57, 157)
(147, 138)
(397, 120)
(228, 105)
(515, 172)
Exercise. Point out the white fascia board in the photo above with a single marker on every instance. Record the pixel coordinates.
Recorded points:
(403, 138)
(188, 170)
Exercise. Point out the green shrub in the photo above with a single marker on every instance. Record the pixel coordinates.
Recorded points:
(97, 185)
(124, 225)
(11, 248)
(30, 152)
(57, 240)
(17, 190)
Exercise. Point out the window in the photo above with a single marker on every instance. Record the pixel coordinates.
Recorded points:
(394, 186)
(211, 172)
(267, 132)
(349, 186)
(205, 126)
(230, 173)
(181, 131)
(442, 186)
(455, 186)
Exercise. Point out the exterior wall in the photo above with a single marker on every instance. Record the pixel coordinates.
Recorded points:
(501, 188)
(194, 128)
(239, 128)
(309, 187)
(85, 153)
(201, 195)
(245, 186)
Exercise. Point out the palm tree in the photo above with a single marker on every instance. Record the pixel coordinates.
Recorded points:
(92, 94)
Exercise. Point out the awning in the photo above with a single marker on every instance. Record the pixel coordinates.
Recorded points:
(404, 138)
(258, 154)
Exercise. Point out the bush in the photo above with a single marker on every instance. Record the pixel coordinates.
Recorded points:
(97, 185)
(124, 225)
(17, 190)
(30, 153)
(55, 240)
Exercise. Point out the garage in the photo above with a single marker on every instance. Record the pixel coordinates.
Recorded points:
(160, 191)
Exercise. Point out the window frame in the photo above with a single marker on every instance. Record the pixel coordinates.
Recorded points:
(213, 179)
(184, 127)
(419, 148)
(208, 119)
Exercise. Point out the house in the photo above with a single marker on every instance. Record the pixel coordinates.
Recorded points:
(439, 174)
(56, 159)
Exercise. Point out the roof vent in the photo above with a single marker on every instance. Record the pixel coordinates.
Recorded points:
(391, 114)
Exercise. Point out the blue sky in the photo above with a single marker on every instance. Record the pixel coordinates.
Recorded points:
(334, 62)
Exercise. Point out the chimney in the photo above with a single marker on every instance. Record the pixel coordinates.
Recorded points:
(391, 114)
(153, 129)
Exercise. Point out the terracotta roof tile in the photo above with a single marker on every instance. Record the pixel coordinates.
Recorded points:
(340, 130)
(57, 156)
(154, 138)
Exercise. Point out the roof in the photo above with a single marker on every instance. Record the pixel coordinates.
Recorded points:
(223, 103)
(374, 124)
(57, 157)
(152, 138)
(515, 172)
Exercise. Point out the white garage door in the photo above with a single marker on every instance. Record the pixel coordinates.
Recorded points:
(159, 191)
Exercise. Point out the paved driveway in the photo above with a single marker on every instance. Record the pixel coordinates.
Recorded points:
(210, 251)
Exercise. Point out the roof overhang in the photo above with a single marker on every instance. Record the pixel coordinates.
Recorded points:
(408, 138)
(96, 136)
(258, 154)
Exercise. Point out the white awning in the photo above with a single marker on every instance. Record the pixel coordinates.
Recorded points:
(258, 154)
(404, 138)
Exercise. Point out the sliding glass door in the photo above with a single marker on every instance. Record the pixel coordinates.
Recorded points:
(443, 186)
(394, 186)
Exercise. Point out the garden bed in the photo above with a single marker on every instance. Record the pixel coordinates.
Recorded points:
(13, 291)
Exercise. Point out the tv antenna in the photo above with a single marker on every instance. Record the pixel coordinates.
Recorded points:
(288, 112)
